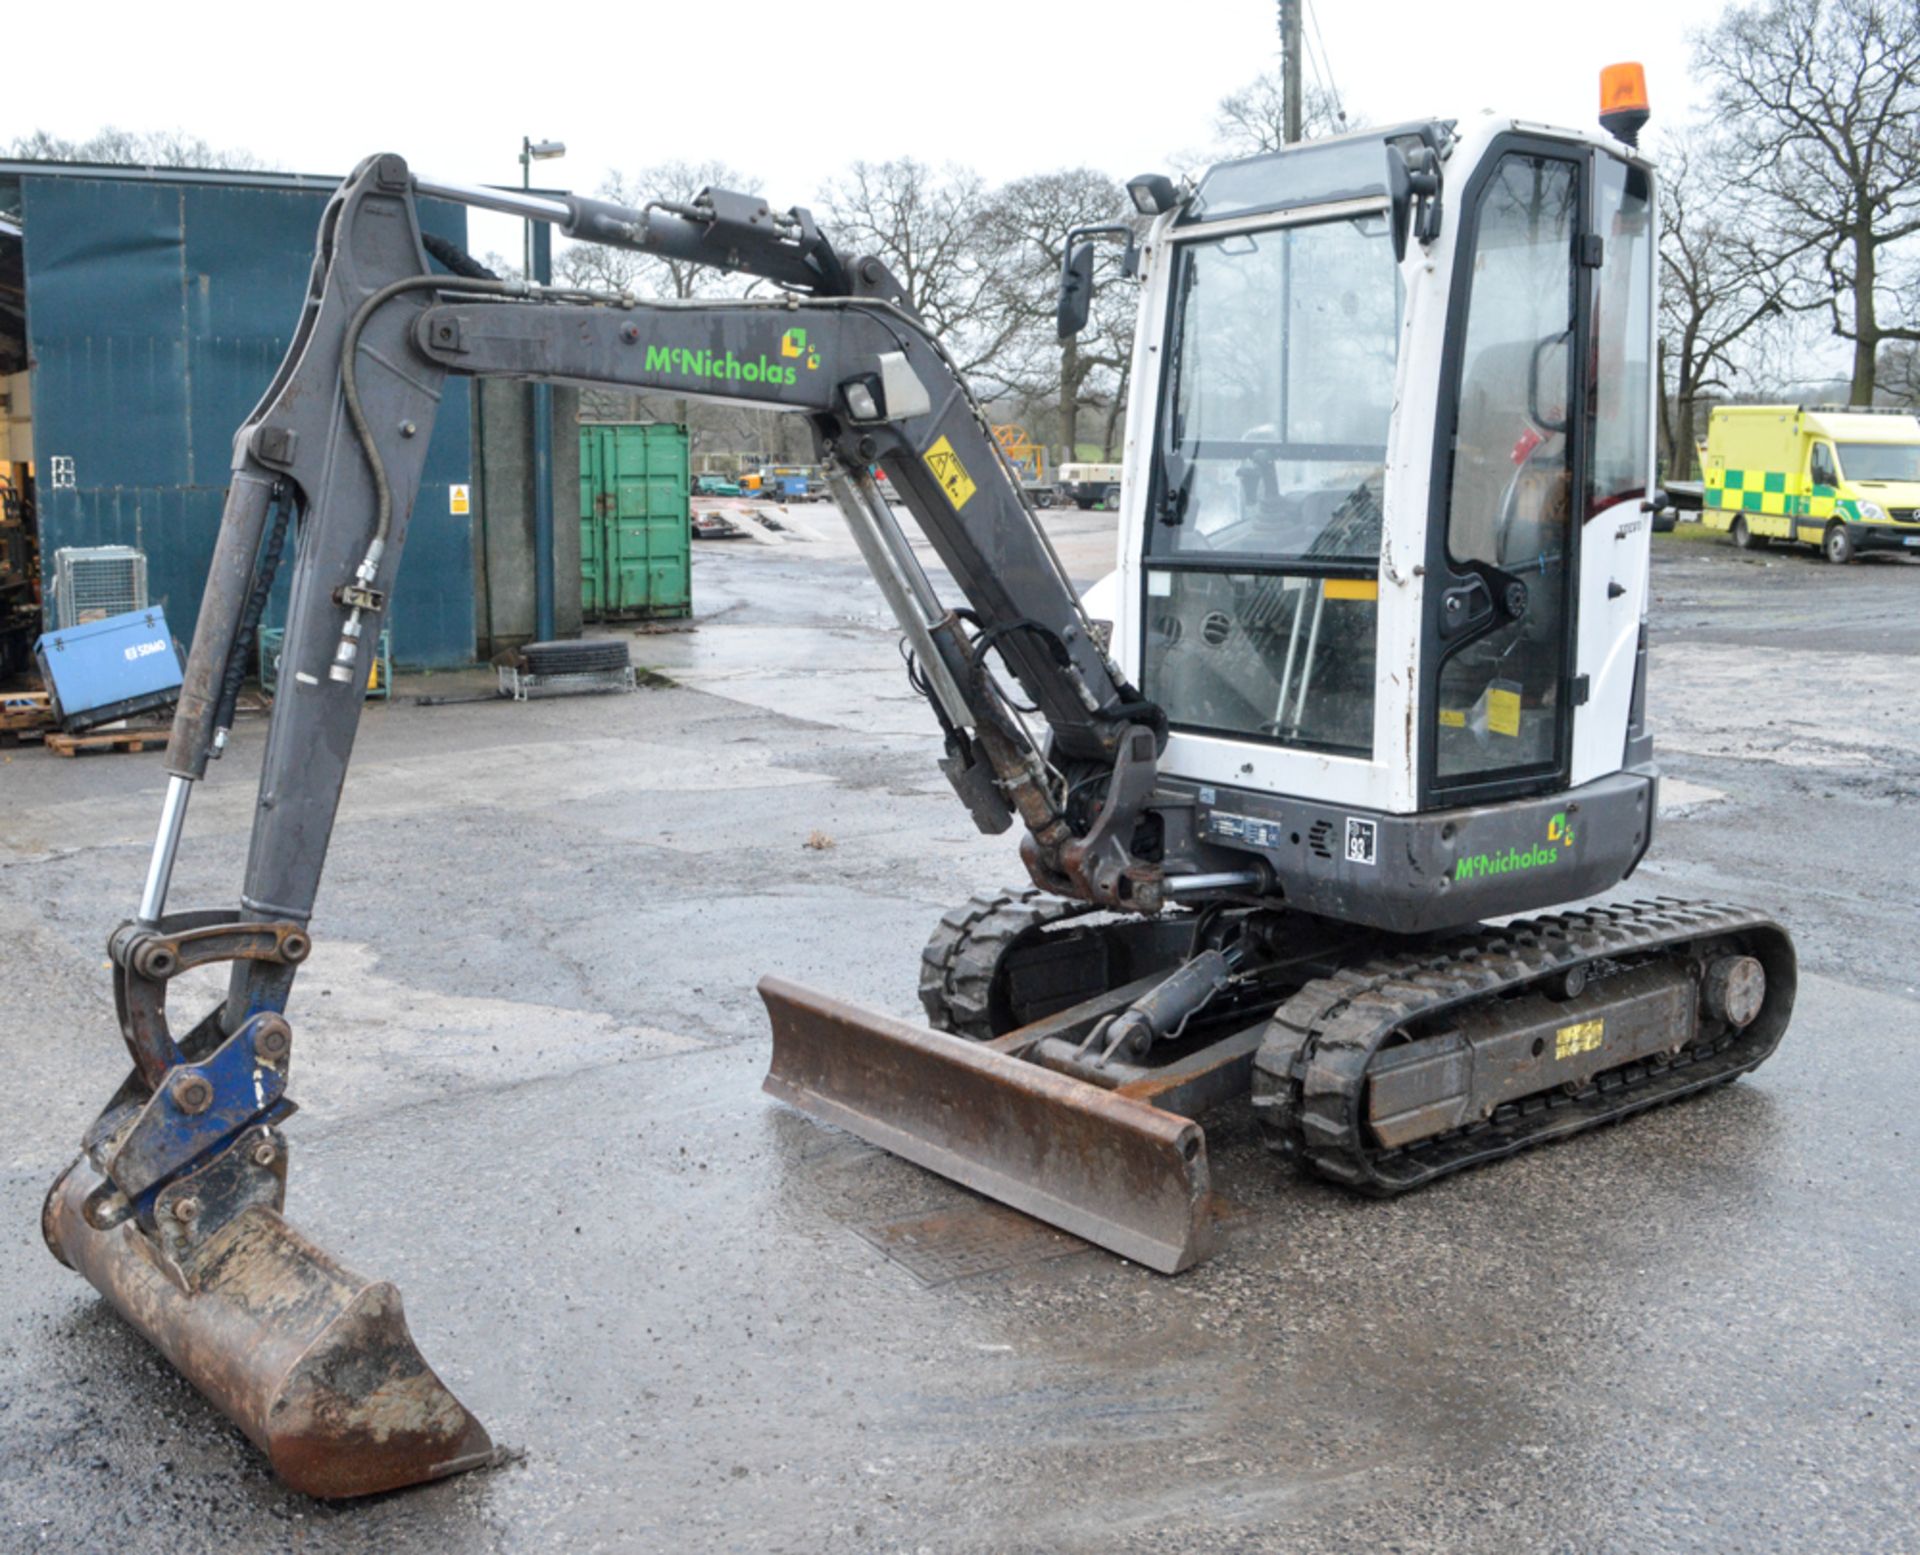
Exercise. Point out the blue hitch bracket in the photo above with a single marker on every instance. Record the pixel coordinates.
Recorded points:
(198, 1109)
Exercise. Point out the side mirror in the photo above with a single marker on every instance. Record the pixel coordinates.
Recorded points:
(1413, 195)
(1076, 291)
(1399, 198)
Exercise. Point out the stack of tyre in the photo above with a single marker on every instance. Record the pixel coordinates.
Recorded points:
(582, 656)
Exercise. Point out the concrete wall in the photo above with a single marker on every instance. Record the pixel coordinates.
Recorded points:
(503, 538)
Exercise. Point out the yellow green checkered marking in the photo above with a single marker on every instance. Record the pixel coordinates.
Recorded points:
(1767, 492)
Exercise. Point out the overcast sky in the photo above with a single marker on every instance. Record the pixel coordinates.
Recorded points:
(787, 93)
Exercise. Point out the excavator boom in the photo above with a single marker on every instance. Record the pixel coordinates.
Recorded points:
(173, 1209)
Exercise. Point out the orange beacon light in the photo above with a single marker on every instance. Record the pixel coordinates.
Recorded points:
(1623, 102)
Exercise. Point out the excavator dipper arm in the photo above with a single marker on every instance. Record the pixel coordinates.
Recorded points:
(173, 1207)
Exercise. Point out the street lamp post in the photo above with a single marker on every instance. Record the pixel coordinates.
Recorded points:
(539, 268)
(532, 151)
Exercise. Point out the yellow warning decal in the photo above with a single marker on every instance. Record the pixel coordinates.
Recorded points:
(950, 473)
(1351, 588)
(1503, 711)
(1581, 1037)
(1452, 718)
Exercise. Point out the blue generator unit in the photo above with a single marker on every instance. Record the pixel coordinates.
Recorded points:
(112, 668)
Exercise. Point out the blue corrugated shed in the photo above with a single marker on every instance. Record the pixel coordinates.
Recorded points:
(158, 307)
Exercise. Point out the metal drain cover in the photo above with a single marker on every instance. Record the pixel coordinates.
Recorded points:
(959, 1244)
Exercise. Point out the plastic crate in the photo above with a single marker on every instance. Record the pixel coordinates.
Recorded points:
(379, 671)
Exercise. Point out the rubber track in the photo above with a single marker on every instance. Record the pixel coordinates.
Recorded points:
(962, 959)
(1310, 1074)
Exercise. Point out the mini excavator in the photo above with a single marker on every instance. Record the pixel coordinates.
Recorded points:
(1370, 675)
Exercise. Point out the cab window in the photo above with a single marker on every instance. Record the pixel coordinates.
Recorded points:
(1622, 337)
(1821, 469)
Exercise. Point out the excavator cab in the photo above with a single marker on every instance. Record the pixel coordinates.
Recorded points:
(1384, 553)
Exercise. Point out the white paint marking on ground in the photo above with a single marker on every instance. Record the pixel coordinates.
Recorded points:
(1679, 797)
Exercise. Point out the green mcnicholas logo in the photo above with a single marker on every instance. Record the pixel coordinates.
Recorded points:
(1559, 836)
(728, 368)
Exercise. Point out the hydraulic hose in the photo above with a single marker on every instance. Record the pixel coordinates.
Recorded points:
(250, 614)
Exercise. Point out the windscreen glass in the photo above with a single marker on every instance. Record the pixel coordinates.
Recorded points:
(1263, 544)
(1286, 659)
(1303, 175)
(1880, 461)
(1279, 390)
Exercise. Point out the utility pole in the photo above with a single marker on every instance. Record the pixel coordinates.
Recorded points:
(1290, 49)
(539, 267)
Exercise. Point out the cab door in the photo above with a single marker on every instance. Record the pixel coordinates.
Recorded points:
(1508, 482)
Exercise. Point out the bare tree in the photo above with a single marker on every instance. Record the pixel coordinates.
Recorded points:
(1899, 373)
(1820, 100)
(138, 148)
(1029, 222)
(929, 229)
(1719, 283)
(1253, 119)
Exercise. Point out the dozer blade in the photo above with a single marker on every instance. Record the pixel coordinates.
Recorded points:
(1116, 1171)
(314, 1363)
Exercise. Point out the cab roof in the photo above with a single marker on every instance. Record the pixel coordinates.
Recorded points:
(1863, 426)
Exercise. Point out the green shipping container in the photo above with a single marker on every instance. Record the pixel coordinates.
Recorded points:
(636, 558)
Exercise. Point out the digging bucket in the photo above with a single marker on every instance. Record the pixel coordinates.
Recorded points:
(1116, 1171)
(314, 1363)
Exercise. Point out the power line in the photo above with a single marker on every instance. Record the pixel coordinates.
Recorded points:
(1332, 88)
(1313, 64)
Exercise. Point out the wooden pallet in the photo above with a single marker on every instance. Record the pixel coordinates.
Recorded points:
(135, 740)
(24, 715)
(25, 707)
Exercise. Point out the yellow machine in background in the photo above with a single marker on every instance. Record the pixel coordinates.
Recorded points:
(1029, 460)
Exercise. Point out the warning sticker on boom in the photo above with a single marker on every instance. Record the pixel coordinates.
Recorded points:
(950, 473)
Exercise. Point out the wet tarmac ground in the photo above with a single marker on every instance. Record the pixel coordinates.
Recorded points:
(528, 1054)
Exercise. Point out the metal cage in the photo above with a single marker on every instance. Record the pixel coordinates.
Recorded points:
(92, 582)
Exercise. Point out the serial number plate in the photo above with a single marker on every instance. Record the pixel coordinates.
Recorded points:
(1244, 828)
